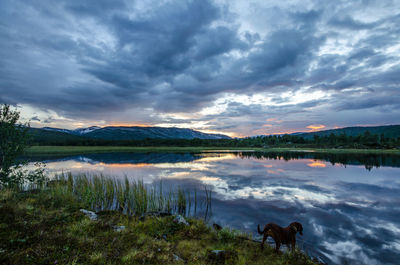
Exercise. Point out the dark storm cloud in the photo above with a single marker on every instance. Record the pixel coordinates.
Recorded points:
(160, 44)
(87, 8)
(362, 54)
(362, 102)
(35, 118)
(85, 59)
(290, 49)
(348, 22)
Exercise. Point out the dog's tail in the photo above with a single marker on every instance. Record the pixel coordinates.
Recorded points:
(266, 229)
(259, 230)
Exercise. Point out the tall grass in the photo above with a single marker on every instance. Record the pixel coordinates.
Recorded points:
(130, 197)
(208, 211)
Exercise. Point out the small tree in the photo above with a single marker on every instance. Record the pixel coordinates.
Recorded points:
(13, 142)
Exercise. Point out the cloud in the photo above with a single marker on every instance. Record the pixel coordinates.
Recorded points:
(35, 118)
(348, 22)
(90, 61)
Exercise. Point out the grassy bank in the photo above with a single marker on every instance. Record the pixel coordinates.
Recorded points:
(70, 150)
(47, 227)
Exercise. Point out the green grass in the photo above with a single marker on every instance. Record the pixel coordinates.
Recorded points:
(129, 197)
(65, 150)
(46, 227)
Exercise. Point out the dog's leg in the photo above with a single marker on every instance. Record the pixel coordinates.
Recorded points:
(264, 238)
(293, 245)
(277, 245)
(288, 246)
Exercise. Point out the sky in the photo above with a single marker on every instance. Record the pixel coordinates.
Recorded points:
(241, 68)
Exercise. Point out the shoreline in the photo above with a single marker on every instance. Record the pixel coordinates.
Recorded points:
(47, 226)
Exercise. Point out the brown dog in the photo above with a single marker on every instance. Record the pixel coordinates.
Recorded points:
(281, 235)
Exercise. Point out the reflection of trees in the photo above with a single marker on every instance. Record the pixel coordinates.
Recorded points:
(125, 158)
(368, 160)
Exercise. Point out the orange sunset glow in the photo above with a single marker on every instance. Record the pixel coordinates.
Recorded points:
(316, 164)
(316, 127)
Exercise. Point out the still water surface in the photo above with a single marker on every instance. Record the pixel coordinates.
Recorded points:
(349, 205)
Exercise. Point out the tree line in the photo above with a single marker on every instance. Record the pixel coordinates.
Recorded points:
(366, 140)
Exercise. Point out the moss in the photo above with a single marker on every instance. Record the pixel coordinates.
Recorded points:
(41, 228)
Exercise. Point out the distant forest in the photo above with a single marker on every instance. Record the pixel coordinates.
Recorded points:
(365, 140)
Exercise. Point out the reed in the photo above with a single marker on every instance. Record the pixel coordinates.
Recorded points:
(208, 204)
(131, 197)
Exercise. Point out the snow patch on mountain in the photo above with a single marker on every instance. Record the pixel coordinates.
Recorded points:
(81, 131)
(56, 130)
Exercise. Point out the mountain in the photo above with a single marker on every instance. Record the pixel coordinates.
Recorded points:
(136, 133)
(390, 131)
(82, 131)
(52, 136)
(139, 133)
(79, 131)
(49, 129)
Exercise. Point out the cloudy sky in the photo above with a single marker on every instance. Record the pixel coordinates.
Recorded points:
(236, 67)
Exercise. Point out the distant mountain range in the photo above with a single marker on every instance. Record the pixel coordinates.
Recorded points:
(54, 136)
(127, 133)
(390, 131)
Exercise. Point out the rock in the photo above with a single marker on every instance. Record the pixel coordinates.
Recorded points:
(180, 220)
(222, 256)
(177, 258)
(217, 256)
(118, 228)
(90, 214)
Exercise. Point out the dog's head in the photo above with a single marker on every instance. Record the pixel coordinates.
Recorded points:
(296, 227)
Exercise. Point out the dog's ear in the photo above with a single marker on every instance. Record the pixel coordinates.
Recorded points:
(297, 227)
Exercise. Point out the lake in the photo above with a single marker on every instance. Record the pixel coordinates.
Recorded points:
(349, 205)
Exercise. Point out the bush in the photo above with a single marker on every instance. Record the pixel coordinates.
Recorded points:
(13, 141)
